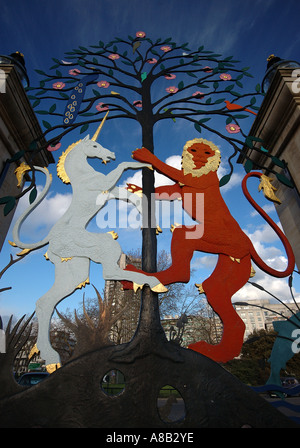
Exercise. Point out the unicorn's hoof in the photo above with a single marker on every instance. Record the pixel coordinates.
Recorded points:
(136, 287)
(159, 288)
(52, 367)
(200, 288)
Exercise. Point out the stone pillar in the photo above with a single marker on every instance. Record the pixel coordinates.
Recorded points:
(278, 125)
(18, 128)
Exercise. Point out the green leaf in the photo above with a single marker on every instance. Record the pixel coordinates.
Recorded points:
(257, 88)
(216, 85)
(229, 120)
(41, 92)
(32, 146)
(248, 74)
(191, 74)
(9, 206)
(52, 108)
(33, 195)
(278, 162)
(263, 149)
(84, 128)
(253, 100)
(204, 120)
(36, 103)
(249, 142)
(58, 73)
(64, 95)
(41, 112)
(220, 100)
(5, 199)
(46, 124)
(284, 180)
(230, 87)
(225, 179)
(248, 166)
(181, 85)
(96, 93)
(255, 139)
(240, 116)
(17, 156)
(198, 127)
(40, 72)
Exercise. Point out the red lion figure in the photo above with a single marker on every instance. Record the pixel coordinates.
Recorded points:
(220, 234)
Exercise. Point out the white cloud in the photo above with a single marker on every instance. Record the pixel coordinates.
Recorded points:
(46, 214)
(160, 179)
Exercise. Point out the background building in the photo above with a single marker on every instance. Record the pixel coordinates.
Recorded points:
(19, 127)
(260, 314)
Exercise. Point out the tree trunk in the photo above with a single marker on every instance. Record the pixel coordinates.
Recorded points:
(149, 325)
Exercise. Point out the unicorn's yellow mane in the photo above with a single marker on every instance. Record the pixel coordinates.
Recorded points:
(60, 168)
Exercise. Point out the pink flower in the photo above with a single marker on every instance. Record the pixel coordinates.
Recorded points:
(58, 85)
(225, 77)
(233, 128)
(137, 103)
(101, 107)
(74, 72)
(166, 48)
(103, 84)
(207, 69)
(54, 148)
(172, 89)
(152, 61)
(198, 94)
(170, 76)
(140, 34)
(114, 56)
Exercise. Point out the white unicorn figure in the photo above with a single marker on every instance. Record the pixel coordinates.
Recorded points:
(71, 246)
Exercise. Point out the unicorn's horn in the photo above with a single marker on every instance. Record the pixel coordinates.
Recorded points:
(99, 128)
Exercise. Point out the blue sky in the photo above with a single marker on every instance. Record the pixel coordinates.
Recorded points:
(250, 30)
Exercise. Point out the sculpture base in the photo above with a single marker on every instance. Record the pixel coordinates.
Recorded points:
(72, 397)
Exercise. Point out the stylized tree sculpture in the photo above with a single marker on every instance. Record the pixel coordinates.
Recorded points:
(125, 77)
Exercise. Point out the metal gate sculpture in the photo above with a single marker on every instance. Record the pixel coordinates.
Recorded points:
(71, 246)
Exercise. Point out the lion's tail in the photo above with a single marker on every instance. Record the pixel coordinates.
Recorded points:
(16, 230)
(268, 190)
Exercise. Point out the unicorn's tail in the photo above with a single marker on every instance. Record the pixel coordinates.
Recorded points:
(16, 230)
